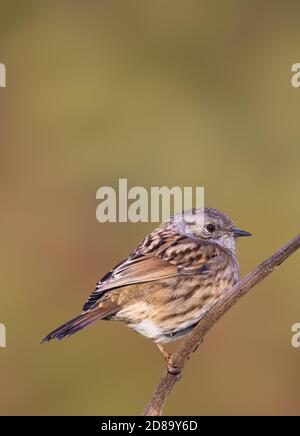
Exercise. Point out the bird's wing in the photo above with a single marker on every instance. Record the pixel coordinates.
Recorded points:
(158, 257)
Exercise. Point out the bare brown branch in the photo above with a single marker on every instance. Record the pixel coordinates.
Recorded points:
(155, 407)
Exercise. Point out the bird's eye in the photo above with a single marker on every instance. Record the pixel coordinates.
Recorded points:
(210, 228)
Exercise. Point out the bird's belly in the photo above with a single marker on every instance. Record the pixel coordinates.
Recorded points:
(148, 328)
(164, 324)
(164, 333)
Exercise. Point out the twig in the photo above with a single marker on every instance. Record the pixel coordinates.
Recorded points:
(191, 343)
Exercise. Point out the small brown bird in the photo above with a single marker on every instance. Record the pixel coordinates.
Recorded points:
(175, 275)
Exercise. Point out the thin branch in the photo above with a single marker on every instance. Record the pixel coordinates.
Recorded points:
(191, 343)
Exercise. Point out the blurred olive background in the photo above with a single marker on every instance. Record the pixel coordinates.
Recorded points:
(194, 93)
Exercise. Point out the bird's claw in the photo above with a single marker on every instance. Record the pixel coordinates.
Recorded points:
(173, 369)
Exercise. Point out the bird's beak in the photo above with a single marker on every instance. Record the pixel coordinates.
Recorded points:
(237, 232)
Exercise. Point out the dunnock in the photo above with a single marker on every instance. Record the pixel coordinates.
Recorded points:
(174, 276)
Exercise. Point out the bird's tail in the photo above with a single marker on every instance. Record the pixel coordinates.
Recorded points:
(78, 323)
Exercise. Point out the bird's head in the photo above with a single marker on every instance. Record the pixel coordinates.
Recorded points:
(208, 224)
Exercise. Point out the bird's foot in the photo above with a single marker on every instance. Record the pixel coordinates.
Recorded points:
(172, 369)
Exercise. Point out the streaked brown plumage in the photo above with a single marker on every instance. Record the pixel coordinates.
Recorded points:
(170, 281)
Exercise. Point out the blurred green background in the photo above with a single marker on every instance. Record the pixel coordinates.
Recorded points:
(194, 93)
